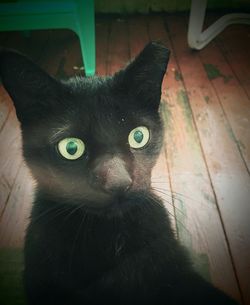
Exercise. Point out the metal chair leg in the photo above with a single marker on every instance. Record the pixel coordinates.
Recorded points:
(198, 39)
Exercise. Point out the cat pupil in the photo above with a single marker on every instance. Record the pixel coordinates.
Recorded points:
(71, 148)
(138, 136)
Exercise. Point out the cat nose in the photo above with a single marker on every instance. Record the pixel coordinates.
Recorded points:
(115, 184)
(113, 175)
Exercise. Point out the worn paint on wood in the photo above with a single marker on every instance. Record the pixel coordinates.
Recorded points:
(197, 217)
(102, 32)
(234, 100)
(203, 167)
(138, 38)
(234, 42)
(15, 217)
(5, 107)
(10, 157)
(118, 51)
(228, 173)
(10, 153)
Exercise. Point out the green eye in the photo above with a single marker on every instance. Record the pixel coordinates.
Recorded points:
(138, 137)
(71, 148)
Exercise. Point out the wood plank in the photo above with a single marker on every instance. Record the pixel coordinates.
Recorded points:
(63, 57)
(198, 221)
(118, 48)
(227, 170)
(73, 61)
(5, 106)
(102, 35)
(138, 34)
(15, 200)
(232, 96)
(62, 54)
(235, 45)
(32, 46)
(11, 151)
(10, 157)
(15, 218)
(138, 38)
(47, 61)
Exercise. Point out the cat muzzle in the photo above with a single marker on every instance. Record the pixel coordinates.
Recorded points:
(112, 175)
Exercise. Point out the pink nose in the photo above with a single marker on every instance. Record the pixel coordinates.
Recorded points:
(113, 175)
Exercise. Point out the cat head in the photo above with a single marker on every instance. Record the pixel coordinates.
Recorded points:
(89, 140)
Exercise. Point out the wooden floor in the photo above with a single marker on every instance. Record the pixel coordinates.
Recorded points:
(203, 173)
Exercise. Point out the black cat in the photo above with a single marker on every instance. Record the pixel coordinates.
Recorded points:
(97, 234)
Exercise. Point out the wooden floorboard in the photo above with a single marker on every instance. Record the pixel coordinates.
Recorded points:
(118, 47)
(235, 45)
(15, 218)
(11, 152)
(228, 173)
(102, 32)
(203, 171)
(11, 157)
(67, 53)
(32, 45)
(233, 98)
(5, 107)
(198, 220)
(138, 37)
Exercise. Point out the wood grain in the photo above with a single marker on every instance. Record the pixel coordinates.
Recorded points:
(5, 106)
(204, 168)
(228, 173)
(138, 39)
(15, 218)
(11, 152)
(102, 38)
(233, 98)
(118, 48)
(234, 42)
(198, 221)
(10, 157)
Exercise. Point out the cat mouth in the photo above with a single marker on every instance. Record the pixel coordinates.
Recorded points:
(107, 198)
(101, 198)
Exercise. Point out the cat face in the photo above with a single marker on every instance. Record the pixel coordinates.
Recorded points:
(90, 140)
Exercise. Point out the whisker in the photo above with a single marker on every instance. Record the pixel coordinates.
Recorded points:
(76, 237)
(46, 212)
(74, 209)
(172, 197)
(177, 220)
(170, 213)
(180, 194)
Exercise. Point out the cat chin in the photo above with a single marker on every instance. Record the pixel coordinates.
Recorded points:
(107, 205)
(118, 205)
(95, 200)
(104, 201)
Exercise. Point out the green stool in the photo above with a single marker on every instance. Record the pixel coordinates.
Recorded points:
(77, 15)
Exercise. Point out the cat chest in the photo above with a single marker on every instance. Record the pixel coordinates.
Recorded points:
(86, 262)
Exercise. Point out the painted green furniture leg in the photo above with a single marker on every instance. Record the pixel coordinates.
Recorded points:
(77, 15)
(86, 34)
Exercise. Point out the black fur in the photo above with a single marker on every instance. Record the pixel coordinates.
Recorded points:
(87, 244)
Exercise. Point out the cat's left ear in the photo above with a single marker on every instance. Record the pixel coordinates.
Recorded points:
(143, 77)
(30, 88)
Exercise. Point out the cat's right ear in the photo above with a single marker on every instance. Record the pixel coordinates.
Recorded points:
(30, 88)
(143, 77)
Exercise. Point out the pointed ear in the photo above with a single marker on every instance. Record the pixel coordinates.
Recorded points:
(142, 78)
(30, 88)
